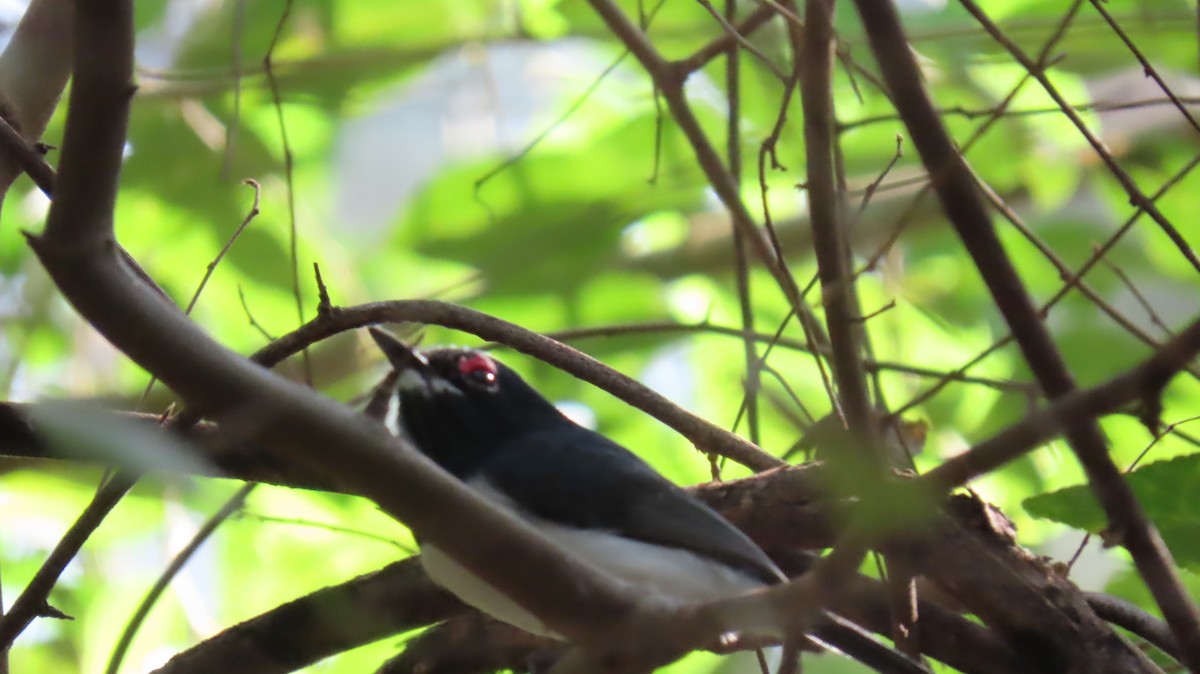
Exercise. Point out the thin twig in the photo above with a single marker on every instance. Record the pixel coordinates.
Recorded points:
(32, 602)
(1137, 294)
(250, 316)
(701, 57)
(334, 528)
(816, 94)
(574, 107)
(869, 191)
(212, 267)
(1064, 271)
(571, 334)
(1136, 196)
(888, 306)
(231, 506)
(235, 73)
(288, 174)
(1147, 68)
(741, 268)
(972, 113)
(732, 31)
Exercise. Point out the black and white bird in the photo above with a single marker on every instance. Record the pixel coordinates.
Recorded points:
(482, 423)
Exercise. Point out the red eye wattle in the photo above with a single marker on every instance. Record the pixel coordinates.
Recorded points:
(478, 366)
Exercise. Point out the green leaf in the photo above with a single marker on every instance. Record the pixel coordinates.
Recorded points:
(1166, 489)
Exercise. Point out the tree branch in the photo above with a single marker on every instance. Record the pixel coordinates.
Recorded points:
(33, 72)
(705, 435)
(19, 435)
(669, 78)
(79, 252)
(33, 601)
(816, 93)
(959, 197)
(783, 511)
(395, 599)
(1143, 383)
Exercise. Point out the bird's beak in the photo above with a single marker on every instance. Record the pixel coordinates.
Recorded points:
(399, 354)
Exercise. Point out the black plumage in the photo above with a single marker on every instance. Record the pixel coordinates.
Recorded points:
(481, 422)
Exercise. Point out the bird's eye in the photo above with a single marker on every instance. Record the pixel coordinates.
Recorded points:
(478, 368)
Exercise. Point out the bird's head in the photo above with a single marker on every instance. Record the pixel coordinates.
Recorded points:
(459, 405)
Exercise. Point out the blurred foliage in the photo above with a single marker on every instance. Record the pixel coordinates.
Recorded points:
(411, 128)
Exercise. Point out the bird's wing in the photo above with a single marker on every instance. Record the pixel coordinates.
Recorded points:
(579, 478)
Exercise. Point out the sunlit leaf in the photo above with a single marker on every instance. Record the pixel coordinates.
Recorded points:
(1164, 489)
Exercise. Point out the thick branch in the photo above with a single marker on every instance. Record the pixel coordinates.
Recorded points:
(962, 550)
(1144, 382)
(787, 510)
(80, 254)
(957, 191)
(969, 551)
(397, 598)
(816, 93)
(33, 72)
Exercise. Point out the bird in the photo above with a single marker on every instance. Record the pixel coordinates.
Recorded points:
(481, 422)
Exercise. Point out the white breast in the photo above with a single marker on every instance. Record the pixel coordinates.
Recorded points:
(671, 573)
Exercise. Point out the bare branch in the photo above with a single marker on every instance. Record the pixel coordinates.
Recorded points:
(394, 599)
(1136, 196)
(288, 171)
(33, 72)
(816, 94)
(706, 436)
(966, 211)
(32, 602)
(21, 156)
(668, 77)
(755, 20)
(1143, 383)
(78, 251)
(741, 267)
(231, 506)
(1147, 68)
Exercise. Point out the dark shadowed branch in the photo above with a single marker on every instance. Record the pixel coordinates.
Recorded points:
(33, 603)
(961, 200)
(829, 242)
(78, 250)
(782, 510)
(707, 436)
